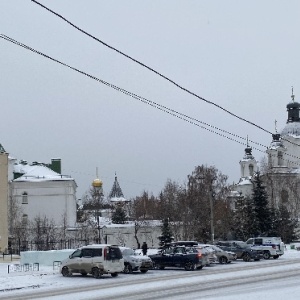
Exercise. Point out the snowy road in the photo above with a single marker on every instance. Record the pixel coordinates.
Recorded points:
(265, 279)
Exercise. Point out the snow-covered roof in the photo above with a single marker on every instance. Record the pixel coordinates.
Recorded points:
(245, 181)
(234, 193)
(118, 199)
(153, 223)
(37, 172)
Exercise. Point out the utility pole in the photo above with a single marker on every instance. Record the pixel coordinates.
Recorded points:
(98, 194)
(212, 228)
(211, 204)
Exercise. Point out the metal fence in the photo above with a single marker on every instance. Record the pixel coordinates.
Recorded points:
(17, 246)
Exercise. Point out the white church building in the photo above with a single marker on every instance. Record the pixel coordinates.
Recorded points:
(282, 173)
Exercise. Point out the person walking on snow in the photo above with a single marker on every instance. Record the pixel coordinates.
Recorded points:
(144, 248)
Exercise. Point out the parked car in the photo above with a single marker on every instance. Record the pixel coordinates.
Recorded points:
(242, 250)
(208, 252)
(95, 259)
(272, 246)
(135, 262)
(179, 256)
(224, 257)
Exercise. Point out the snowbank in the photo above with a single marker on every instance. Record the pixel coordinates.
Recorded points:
(45, 258)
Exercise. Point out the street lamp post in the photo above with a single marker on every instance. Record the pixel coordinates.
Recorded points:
(212, 229)
(98, 224)
(98, 193)
(211, 204)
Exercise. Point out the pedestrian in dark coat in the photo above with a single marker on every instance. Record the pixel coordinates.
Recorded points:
(144, 248)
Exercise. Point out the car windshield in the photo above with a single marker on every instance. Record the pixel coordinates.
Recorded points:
(127, 252)
(216, 248)
(241, 244)
(203, 250)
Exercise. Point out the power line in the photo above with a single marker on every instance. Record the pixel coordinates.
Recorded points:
(149, 68)
(153, 70)
(135, 96)
(165, 109)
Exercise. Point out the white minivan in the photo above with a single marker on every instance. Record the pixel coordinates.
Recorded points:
(97, 259)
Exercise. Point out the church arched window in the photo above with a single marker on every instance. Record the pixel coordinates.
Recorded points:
(24, 220)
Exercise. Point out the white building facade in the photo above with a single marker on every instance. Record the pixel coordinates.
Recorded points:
(3, 199)
(41, 192)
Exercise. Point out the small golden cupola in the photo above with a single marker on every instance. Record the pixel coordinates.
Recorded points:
(97, 183)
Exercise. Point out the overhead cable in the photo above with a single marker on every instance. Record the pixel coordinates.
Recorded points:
(149, 68)
(135, 96)
(163, 108)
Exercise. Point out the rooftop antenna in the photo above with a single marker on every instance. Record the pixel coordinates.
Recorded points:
(293, 96)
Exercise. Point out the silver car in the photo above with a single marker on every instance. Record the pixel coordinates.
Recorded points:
(224, 257)
(209, 252)
(134, 262)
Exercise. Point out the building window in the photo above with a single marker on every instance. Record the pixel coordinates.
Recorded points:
(24, 198)
(24, 220)
(251, 168)
(280, 158)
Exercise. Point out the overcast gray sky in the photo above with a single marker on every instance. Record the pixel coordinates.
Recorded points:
(241, 55)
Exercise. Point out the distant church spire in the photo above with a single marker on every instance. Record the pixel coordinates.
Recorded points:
(248, 151)
(293, 96)
(2, 150)
(116, 191)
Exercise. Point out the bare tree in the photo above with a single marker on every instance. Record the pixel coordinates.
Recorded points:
(207, 187)
(43, 232)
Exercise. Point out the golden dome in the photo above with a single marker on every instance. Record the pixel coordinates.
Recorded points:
(97, 183)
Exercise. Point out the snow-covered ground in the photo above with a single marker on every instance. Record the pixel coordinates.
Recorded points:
(17, 283)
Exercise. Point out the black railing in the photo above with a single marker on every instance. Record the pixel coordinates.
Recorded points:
(17, 246)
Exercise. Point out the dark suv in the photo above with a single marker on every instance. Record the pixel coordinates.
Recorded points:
(242, 250)
(179, 256)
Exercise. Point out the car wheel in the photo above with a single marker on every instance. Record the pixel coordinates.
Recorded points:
(200, 268)
(66, 272)
(246, 257)
(275, 256)
(114, 274)
(189, 266)
(97, 273)
(84, 274)
(223, 260)
(144, 271)
(127, 269)
(267, 255)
